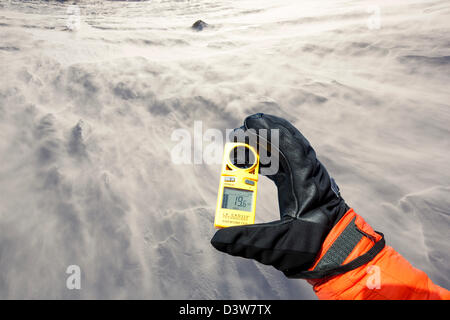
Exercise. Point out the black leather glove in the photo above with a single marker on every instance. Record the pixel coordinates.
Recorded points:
(309, 200)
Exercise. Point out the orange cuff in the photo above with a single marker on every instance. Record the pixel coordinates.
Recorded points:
(350, 238)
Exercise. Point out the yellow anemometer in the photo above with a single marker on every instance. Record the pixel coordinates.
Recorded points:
(236, 200)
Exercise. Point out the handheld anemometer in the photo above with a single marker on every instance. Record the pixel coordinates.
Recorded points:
(236, 200)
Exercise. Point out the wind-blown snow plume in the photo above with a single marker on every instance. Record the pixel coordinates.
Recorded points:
(88, 104)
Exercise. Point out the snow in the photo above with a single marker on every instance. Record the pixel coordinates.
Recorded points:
(87, 112)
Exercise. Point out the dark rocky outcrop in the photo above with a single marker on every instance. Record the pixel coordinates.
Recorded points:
(199, 25)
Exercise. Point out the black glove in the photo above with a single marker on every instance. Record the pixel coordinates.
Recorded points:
(309, 200)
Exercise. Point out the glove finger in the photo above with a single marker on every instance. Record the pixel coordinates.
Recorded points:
(278, 243)
(294, 146)
(304, 183)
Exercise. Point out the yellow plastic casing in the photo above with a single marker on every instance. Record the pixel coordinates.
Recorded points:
(241, 179)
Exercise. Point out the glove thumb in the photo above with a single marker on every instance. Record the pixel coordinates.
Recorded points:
(278, 243)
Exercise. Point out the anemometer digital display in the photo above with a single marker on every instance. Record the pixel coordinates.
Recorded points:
(236, 200)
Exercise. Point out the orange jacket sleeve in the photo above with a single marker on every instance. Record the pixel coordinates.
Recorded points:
(388, 276)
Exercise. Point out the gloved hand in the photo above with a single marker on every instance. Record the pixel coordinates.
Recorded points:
(310, 205)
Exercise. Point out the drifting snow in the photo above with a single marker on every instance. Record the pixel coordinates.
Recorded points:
(87, 111)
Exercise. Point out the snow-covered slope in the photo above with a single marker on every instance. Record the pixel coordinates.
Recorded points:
(87, 111)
